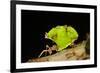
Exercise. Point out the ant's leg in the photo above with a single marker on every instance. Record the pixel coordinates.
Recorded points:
(72, 45)
(42, 53)
(50, 51)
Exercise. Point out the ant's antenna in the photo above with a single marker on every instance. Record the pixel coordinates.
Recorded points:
(46, 35)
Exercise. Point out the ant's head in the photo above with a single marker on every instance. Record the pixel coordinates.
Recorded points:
(49, 43)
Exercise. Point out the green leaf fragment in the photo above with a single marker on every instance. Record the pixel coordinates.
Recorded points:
(62, 36)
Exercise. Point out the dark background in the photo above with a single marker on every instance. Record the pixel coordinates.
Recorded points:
(34, 24)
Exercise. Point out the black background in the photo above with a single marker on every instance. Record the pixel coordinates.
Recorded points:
(34, 24)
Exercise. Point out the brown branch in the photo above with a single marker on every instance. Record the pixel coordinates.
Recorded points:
(76, 53)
